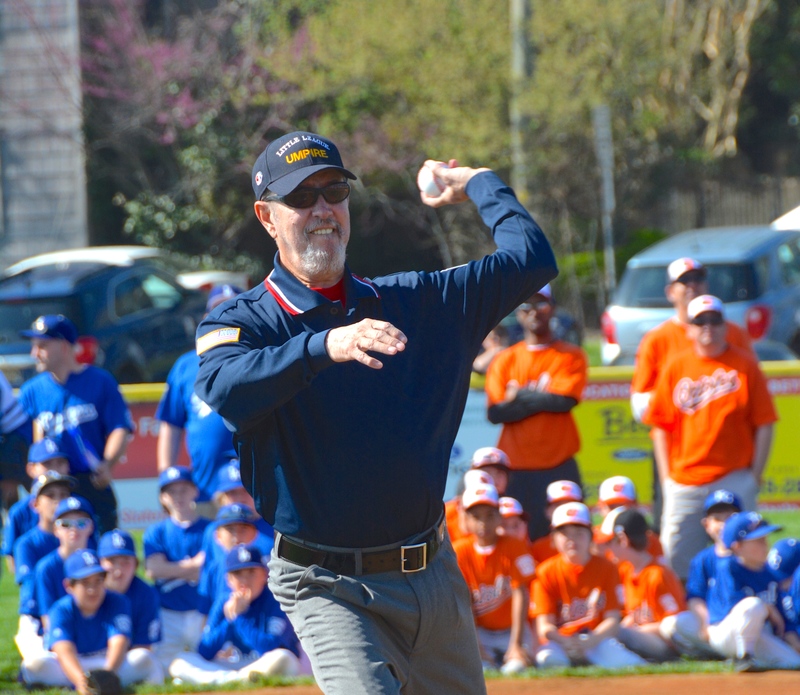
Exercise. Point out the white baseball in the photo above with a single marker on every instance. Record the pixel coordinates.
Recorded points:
(429, 183)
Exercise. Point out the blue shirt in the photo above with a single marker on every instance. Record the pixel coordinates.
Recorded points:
(49, 581)
(260, 629)
(79, 414)
(702, 573)
(89, 635)
(338, 453)
(735, 582)
(22, 517)
(31, 548)
(176, 544)
(145, 613)
(208, 440)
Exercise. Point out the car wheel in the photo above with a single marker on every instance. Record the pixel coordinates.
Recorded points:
(794, 343)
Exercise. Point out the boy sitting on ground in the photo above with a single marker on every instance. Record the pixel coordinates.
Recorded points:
(247, 636)
(89, 629)
(558, 493)
(784, 561)
(498, 570)
(652, 591)
(575, 602)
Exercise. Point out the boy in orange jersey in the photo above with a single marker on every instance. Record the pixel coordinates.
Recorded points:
(453, 512)
(712, 418)
(575, 602)
(652, 591)
(498, 570)
(513, 520)
(558, 493)
(531, 389)
(617, 492)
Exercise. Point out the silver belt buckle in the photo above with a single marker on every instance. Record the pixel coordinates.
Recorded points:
(403, 558)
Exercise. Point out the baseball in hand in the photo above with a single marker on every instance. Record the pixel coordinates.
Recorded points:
(429, 183)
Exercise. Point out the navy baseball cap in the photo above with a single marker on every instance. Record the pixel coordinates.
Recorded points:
(236, 514)
(116, 542)
(51, 478)
(784, 558)
(45, 450)
(229, 477)
(221, 293)
(82, 564)
(288, 161)
(75, 503)
(56, 326)
(243, 556)
(721, 498)
(174, 474)
(746, 526)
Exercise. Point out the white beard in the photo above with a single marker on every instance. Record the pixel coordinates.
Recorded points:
(316, 261)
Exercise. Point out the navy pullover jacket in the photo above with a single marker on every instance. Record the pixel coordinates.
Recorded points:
(340, 454)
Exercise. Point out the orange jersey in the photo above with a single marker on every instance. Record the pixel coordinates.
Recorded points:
(578, 596)
(665, 341)
(452, 515)
(710, 409)
(492, 576)
(543, 440)
(543, 549)
(652, 594)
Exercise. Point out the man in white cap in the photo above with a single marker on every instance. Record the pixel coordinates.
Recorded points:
(687, 278)
(712, 418)
(531, 389)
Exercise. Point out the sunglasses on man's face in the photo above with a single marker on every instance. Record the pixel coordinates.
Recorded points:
(306, 197)
(692, 277)
(535, 306)
(709, 319)
(80, 524)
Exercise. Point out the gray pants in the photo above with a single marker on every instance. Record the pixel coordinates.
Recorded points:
(386, 633)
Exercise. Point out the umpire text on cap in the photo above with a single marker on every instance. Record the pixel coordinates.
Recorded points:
(291, 159)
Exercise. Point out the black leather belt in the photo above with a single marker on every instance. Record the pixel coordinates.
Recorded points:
(403, 558)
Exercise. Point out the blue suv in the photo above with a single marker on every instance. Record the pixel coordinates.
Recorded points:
(755, 271)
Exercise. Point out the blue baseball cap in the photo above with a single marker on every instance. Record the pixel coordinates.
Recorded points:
(55, 326)
(81, 564)
(174, 474)
(236, 514)
(746, 526)
(51, 478)
(291, 159)
(722, 498)
(116, 542)
(45, 450)
(229, 477)
(221, 293)
(243, 556)
(784, 558)
(75, 503)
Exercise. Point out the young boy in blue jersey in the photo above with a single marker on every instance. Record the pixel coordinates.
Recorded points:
(231, 490)
(688, 631)
(73, 525)
(45, 455)
(784, 561)
(173, 558)
(745, 622)
(90, 628)
(48, 491)
(117, 553)
(248, 624)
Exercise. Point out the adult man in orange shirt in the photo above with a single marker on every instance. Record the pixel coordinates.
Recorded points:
(686, 279)
(531, 388)
(713, 423)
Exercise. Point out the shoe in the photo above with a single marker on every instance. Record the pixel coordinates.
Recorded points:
(747, 665)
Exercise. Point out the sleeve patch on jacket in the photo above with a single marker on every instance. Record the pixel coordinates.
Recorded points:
(217, 337)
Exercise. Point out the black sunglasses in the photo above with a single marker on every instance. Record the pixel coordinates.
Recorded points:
(539, 306)
(709, 319)
(692, 276)
(306, 197)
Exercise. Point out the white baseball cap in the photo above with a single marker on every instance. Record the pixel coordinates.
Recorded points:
(476, 477)
(681, 266)
(702, 304)
(490, 456)
(617, 490)
(511, 507)
(482, 494)
(564, 491)
(572, 514)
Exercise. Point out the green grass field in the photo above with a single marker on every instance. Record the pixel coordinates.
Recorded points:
(9, 658)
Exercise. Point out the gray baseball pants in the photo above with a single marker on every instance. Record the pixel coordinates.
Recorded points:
(387, 633)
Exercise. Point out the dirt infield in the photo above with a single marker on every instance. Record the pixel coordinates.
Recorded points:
(658, 684)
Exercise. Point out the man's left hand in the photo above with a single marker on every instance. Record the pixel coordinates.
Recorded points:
(101, 476)
(455, 179)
